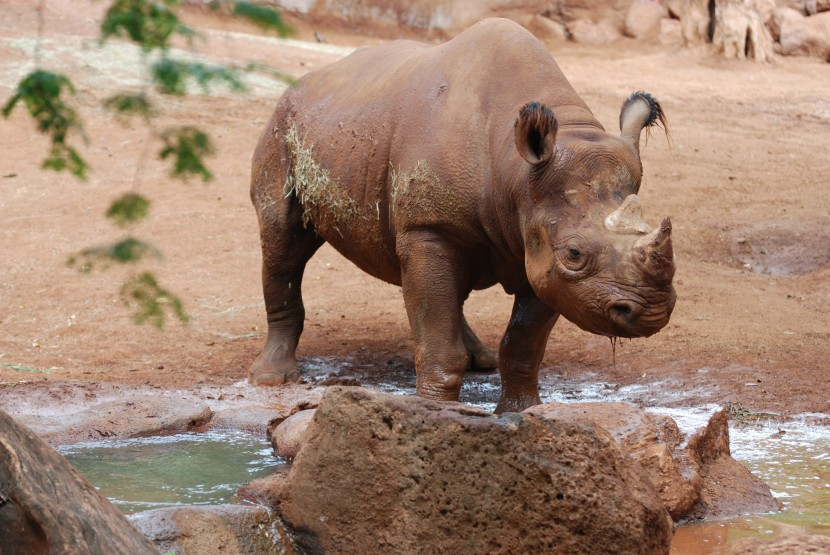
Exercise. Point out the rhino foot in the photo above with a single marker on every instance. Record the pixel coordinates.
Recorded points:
(483, 360)
(263, 372)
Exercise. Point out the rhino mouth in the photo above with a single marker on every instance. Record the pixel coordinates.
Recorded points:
(631, 318)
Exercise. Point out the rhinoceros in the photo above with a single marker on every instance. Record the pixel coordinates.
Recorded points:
(451, 168)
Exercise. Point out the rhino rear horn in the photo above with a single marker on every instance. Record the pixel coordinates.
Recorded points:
(535, 132)
(639, 111)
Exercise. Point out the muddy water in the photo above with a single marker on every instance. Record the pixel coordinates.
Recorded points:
(182, 469)
(794, 460)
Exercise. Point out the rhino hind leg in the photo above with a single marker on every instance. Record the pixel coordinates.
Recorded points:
(482, 359)
(286, 248)
(288, 242)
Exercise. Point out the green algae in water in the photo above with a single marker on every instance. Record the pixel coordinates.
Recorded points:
(166, 471)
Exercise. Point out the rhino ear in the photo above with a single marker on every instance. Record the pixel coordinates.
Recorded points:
(640, 111)
(535, 131)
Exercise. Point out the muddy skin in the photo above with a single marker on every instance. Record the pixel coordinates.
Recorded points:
(452, 168)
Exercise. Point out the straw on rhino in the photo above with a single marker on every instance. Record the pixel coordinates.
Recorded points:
(451, 168)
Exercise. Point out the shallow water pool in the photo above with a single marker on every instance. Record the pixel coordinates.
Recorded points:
(167, 471)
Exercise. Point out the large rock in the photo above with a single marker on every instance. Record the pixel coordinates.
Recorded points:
(226, 529)
(381, 472)
(447, 17)
(696, 479)
(47, 507)
(805, 36)
(650, 439)
(695, 20)
(141, 416)
(289, 435)
(728, 488)
(589, 32)
(643, 20)
(815, 6)
(740, 31)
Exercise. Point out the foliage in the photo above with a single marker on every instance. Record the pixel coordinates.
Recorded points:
(128, 209)
(153, 301)
(152, 26)
(262, 16)
(149, 24)
(171, 76)
(125, 105)
(121, 252)
(42, 92)
(188, 146)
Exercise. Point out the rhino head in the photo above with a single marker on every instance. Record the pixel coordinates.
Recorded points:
(588, 252)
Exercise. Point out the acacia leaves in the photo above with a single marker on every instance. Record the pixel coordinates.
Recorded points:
(187, 145)
(262, 16)
(149, 24)
(43, 94)
(154, 301)
(155, 28)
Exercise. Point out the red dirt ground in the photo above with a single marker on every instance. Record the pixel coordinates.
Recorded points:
(745, 182)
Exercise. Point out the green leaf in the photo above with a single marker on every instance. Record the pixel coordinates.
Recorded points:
(128, 209)
(126, 105)
(64, 157)
(126, 251)
(153, 301)
(188, 145)
(171, 76)
(42, 93)
(265, 17)
(149, 24)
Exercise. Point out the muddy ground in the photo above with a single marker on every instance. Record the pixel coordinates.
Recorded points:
(745, 182)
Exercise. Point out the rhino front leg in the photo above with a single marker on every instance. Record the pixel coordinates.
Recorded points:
(521, 352)
(434, 278)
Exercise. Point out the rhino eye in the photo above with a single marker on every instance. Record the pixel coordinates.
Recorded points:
(574, 256)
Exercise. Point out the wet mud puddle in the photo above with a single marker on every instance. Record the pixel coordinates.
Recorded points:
(166, 471)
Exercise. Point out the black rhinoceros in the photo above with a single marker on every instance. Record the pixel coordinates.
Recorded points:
(455, 167)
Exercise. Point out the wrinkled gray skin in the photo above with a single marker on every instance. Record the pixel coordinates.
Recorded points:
(455, 167)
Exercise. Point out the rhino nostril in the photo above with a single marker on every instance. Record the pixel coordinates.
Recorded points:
(626, 310)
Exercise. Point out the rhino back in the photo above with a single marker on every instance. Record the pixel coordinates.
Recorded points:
(407, 135)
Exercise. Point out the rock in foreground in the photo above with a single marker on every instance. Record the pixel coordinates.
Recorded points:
(47, 507)
(389, 473)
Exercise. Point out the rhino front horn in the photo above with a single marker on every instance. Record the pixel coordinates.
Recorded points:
(656, 254)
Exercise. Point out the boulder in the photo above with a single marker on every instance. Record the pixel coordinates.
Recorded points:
(695, 20)
(545, 29)
(141, 416)
(805, 36)
(47, 507)
(643, 20)
(380, 472)
(588, 32)
(652, 440)
(226, 529)
(812, 7)
(779, 18)
(696, 479)
(728, 488)
(288, 436)
(671, 32)
(740, 31)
